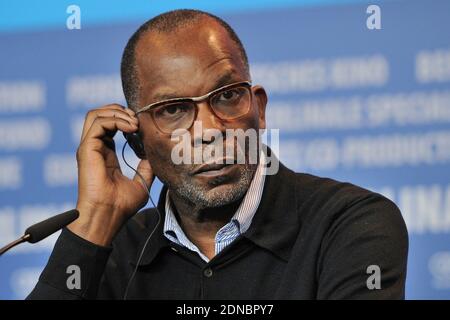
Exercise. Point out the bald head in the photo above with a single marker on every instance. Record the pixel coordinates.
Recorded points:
(165, 35)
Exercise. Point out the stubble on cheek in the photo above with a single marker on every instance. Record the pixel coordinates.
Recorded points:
(164, 168)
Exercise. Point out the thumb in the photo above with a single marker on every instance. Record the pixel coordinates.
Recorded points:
(145, 170)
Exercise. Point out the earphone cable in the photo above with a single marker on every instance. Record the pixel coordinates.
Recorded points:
(147, 188)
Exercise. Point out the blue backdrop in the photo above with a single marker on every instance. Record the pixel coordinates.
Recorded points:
(367, 106)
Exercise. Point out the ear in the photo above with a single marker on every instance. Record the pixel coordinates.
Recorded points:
(261, 101)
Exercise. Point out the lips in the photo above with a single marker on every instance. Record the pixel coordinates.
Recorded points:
(210, 167)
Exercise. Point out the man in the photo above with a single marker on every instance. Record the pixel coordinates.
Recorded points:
(225, 231)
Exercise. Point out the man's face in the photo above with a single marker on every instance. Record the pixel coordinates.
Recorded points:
(189, 62)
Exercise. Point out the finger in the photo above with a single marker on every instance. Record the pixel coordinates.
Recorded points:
(112, 111)
(119, 107)
(145, 170)
(106, 126)
(93, 114)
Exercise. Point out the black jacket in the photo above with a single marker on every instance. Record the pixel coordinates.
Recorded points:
(311, 238)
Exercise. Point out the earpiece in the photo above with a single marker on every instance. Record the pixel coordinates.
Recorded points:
(135, 142)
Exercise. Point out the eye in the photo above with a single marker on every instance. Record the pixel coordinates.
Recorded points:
(172, 110)
(229, 95)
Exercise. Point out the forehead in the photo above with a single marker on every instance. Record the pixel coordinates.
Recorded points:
(186, 61)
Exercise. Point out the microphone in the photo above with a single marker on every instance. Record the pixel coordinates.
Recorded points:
(43, 229)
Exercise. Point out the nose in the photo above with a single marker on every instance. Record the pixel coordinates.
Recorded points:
(208, 121)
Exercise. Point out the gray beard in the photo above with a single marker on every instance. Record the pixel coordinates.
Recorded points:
(205, 198)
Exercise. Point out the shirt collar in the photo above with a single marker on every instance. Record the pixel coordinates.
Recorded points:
(242, 218)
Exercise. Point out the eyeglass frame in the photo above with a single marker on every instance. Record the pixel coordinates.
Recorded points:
(197, 100)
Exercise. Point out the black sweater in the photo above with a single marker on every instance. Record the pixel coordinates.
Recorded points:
(311, 238)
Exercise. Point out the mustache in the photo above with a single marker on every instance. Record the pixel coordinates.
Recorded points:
(210, 160)
(215, 153)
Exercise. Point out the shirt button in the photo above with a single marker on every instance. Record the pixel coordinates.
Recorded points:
(208, 272)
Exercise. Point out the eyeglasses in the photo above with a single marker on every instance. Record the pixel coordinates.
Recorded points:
(227, 103)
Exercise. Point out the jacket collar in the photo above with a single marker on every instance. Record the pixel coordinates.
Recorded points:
(276, 224)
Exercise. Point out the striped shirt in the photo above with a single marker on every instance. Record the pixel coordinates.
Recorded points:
(239, 223)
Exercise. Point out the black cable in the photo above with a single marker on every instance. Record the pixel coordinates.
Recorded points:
(147, 188)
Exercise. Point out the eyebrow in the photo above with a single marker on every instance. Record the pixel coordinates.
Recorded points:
(226, 78)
